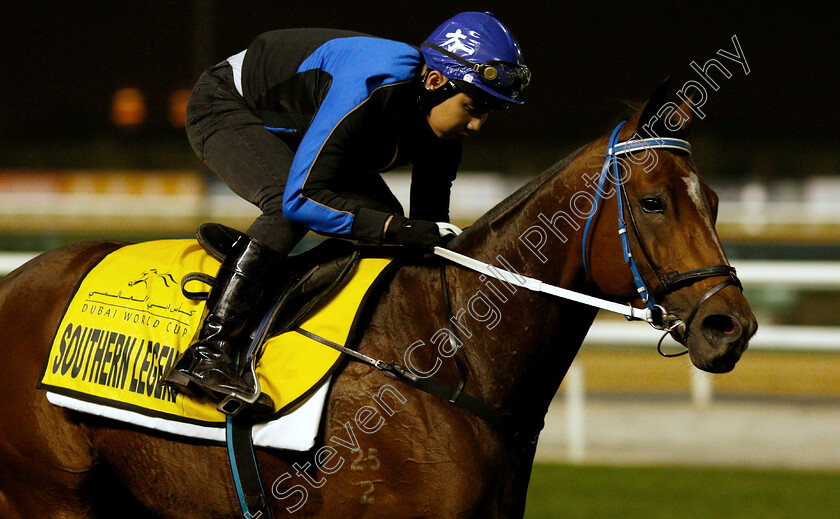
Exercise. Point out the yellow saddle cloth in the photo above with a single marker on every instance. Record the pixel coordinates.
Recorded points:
(129, 321)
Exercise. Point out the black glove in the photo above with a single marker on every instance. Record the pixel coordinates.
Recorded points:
(418, 233)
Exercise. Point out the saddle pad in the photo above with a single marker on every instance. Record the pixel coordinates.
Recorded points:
(128, 322)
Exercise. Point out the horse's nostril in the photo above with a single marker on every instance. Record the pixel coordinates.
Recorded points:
(722, 324)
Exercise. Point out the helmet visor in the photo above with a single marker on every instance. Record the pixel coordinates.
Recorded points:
(504, 75)
(505, 78)
(483, 100)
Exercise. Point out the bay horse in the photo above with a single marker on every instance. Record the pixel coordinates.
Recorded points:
(386, 449)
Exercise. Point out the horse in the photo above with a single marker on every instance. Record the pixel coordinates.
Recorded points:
(385, 448)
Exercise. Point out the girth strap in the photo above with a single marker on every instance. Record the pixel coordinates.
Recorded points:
(243, 466)
(460, 361)
(515, 426)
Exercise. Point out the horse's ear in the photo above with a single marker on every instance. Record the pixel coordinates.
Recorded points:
(655, 102)
(687, 107)
(663, 118)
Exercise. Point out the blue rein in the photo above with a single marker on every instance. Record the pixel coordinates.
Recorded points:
(614, 149)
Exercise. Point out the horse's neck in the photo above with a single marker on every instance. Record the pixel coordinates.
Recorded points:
(522, 359)
(539, 211)
(536, 232)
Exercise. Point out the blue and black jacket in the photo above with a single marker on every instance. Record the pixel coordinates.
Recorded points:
(349, 104)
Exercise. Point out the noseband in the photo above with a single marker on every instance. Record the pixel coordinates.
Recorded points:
(666, 283)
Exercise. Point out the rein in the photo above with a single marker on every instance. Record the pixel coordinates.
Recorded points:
(527, 428)
(654, 314)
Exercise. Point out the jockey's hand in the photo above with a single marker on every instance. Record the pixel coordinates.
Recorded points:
(417, 233)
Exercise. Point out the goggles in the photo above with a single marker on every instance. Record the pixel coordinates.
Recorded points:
(499, 75)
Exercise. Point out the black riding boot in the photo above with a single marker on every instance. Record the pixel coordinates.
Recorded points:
(208, 363)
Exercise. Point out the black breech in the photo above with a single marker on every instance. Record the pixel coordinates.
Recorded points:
(254, 162)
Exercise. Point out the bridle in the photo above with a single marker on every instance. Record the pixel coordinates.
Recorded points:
(522, 426)
(654, 314)
(666, 283)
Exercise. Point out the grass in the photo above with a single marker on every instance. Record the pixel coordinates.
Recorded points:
(568, 492)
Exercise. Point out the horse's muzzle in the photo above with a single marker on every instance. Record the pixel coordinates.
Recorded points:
(717, 340)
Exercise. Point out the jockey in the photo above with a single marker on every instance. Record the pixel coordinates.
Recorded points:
(302, 122)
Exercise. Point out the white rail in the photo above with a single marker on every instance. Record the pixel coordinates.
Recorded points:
(768, 337)
(9, 261)
(812, 275)
(800, 274)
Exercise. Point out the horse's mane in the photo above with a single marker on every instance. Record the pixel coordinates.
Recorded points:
(524, 192)
(515, 198)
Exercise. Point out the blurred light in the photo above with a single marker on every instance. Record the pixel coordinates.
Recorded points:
(128, 107)
(178, 107)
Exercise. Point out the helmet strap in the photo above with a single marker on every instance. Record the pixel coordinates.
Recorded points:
(431, 97)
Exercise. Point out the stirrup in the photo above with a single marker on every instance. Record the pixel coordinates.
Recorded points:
(235, 402)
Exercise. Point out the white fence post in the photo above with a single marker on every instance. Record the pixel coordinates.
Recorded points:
(575, 416)
(701, 388)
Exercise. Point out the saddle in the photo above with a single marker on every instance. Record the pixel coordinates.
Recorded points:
(308, 277)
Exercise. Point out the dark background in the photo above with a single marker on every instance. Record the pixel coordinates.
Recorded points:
(62, 61)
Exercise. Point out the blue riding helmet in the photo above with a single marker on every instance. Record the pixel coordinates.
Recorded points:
(476, 50)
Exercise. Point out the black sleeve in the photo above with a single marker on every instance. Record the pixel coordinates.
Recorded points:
(372, 85)
(431, 180)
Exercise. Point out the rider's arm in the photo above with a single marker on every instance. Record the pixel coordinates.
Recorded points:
(348, 108)
(431, 179)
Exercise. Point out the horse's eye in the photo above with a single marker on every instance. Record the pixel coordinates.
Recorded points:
(652, 205)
